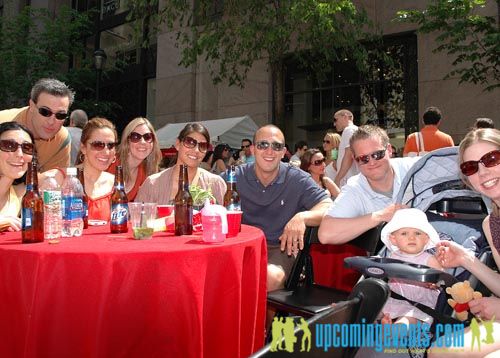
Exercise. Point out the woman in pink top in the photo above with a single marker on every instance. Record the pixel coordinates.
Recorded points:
(192, 144)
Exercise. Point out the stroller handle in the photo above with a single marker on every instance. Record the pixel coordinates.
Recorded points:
(383, 267)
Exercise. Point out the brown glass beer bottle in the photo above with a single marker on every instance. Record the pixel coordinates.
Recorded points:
(32, 208)
(183, 205)
(232, 198)
(119, 204)
(85, 199)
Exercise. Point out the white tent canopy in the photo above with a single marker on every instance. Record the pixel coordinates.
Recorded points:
(226, 130)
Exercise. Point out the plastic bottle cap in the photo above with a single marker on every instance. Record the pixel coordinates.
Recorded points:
(214, 210)
(71, 171)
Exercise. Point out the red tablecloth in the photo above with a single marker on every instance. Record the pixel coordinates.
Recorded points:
(106, 295)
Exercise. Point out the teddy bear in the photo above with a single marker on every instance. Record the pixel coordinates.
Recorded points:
(462, 294)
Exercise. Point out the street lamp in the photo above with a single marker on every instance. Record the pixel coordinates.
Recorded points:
(99, 62)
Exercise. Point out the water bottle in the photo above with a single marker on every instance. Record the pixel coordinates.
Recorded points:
(52, 220)
(72, 205)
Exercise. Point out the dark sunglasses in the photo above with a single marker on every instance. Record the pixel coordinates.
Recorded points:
(136, 137)
(99, 145)
(264, 144)
(326, 141)
(245, 146)
(489, 160)
(10, 145)
(192, 143)
(365, 159)
(60, 116)
(318, 162)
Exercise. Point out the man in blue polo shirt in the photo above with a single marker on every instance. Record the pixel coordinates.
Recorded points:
(281, 200)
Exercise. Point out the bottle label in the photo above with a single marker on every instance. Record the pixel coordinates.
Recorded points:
(51, 197)
(27, 214)
(234, 207)
(72, 207)
(231, 178)
(119, 214)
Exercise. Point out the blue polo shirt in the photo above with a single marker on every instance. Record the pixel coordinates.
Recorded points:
(270, 208)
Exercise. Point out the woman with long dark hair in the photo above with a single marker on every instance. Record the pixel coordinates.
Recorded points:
(314, 163)
(191, 144)
(16, 151)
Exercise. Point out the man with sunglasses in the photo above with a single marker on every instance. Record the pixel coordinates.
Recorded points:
(368, 198)
(346, 168)
(44, 116)
(281, 200)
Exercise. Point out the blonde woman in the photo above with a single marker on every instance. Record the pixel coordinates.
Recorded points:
(139, 154)
(331, 143)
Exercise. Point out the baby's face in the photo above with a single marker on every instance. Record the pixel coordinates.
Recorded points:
(409, 240)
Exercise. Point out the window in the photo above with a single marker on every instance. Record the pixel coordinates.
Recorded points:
(385, 95)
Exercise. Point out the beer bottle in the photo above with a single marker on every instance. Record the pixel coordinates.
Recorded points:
(85, 200)
(119, 204)
(32, 208)
(232, 198)
(183, 205)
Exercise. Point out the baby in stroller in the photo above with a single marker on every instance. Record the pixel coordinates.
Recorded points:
(408, 236)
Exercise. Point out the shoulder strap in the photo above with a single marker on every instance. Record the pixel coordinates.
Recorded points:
(421, 141)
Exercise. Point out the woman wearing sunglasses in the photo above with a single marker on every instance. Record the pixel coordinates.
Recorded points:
(314, 163)
(97, 152)
(191, 144)
(480, 167)
(139, 154)
(220, 159)
(16, 151)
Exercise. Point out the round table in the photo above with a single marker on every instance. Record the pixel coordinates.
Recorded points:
(107, 295)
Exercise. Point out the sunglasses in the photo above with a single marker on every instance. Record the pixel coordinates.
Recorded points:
(192, 143)
(136, 137)
(263, 145)
(245, 146)
(99, 145)
(365, 159)
(326, 141)
(60, 116)
(318, 162)
(10, 145)
(489, 160)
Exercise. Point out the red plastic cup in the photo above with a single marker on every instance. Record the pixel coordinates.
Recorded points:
(233, 223)
(164, 210)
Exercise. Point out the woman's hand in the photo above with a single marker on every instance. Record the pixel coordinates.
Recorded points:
(10, 223)
(486, 308)
(450, 254)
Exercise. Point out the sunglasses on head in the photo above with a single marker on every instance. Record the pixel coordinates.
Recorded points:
(489, 160)
(100, 145)
(136, 137)
(192, 143)
(365, 159)
(60, 116)
(10, 145)
(318, 162)
(264, 144)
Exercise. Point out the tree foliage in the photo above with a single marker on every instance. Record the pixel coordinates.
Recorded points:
(231, 37)
(473, 40)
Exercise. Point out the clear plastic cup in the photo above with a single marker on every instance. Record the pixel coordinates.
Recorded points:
(142, 216)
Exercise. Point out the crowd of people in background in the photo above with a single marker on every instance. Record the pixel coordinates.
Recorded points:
(346, 185)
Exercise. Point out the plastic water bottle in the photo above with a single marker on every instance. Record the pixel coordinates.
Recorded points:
(72, 205)
(52, 219)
